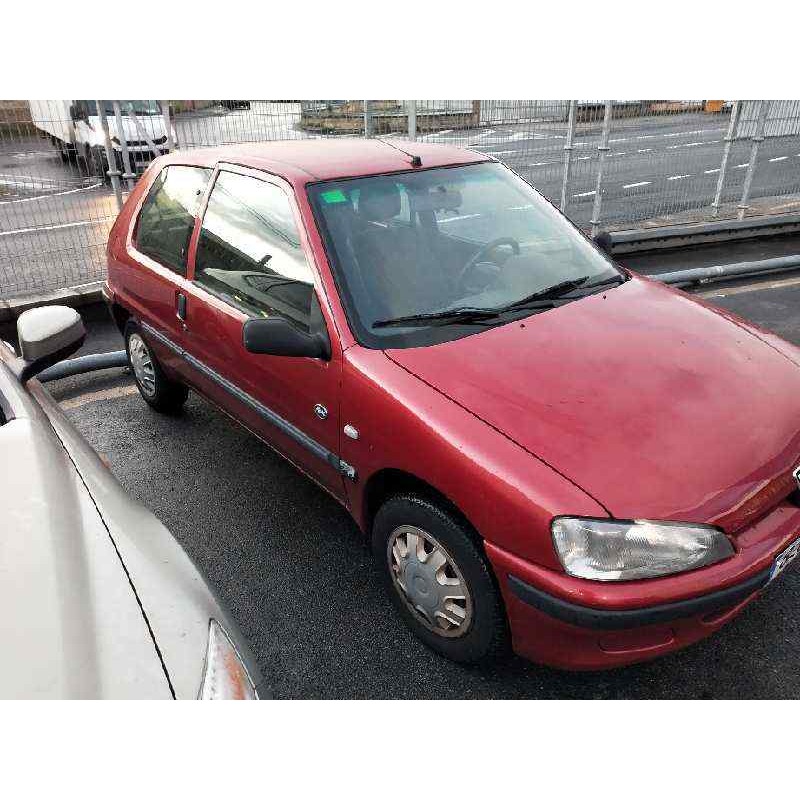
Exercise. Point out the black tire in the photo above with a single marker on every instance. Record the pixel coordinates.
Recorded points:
(164, 395)
(486, 638)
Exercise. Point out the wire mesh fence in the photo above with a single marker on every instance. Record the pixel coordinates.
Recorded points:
(606, 164)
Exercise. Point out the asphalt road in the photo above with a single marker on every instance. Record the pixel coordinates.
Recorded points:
(297, 576)
(54, 219)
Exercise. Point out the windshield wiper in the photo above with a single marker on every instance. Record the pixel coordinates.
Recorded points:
(558, 291)
(611, 280)
(447, 316)
(542, 300)
(550, 293)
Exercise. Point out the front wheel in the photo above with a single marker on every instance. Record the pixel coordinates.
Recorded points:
(156, 389)
(439, 580)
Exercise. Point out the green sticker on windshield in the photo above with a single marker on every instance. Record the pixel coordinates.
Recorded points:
(334, 196)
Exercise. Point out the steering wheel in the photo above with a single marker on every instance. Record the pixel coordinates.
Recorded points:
(484, 252)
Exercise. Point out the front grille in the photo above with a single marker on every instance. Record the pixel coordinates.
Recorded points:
(141, 142)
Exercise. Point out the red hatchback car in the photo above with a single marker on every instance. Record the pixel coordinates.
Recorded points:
(545, 450)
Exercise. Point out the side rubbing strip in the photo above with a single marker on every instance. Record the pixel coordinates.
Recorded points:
(266, 413)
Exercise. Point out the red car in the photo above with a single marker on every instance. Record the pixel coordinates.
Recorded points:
(545, 450)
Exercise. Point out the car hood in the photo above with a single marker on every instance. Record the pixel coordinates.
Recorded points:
(656, 404)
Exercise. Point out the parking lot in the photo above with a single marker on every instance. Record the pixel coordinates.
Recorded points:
(298, 578)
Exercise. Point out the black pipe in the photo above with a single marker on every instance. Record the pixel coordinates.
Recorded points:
(90, 363)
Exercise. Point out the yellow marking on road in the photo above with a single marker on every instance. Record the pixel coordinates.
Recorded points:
(114, 393)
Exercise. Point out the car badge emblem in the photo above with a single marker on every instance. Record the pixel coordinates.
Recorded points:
(796, 476)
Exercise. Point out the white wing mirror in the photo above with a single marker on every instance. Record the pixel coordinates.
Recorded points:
(46, 336)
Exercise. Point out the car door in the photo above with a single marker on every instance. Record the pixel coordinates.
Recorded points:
(250, 260)
(155, 282)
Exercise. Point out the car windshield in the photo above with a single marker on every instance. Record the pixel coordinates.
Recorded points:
(147, 108)
(470, 246)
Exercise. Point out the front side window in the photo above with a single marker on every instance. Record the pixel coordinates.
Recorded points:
(167, 217)
(249, 250)
(431, 255)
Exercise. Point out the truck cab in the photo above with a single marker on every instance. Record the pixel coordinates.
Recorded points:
(76, 131)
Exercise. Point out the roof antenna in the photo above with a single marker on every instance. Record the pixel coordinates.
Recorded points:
(416, 161)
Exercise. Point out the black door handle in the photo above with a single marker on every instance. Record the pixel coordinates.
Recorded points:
(181, 302)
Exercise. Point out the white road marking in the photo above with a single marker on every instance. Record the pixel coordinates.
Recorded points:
(779, 158)
(668, 135)
(462, 216)
(710, 171)
(583, 158)
(693, 144)
(114, 393)
(634, 185)
(646, 150)
(692, 133)
(18, 231)
(750, 287)
(585, 194)
(542, 163)
(741, 166)
(678, 177)
(54, 194)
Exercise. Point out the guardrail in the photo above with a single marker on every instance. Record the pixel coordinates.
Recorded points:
(646, 239)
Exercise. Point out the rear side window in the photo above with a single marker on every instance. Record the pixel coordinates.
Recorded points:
(167, 216)
(249, 250)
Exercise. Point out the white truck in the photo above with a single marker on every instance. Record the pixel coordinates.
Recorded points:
(74, 128)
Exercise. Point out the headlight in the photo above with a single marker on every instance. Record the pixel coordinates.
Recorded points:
(609, 550)
(225, 676)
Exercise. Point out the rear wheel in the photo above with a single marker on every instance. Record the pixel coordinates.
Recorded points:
(439, 580)
(156, 389)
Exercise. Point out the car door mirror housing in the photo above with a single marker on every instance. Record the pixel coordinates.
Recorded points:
(277, 336)
(604, 241)
(47, 335)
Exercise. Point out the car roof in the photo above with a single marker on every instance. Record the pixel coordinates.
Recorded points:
(304, 161)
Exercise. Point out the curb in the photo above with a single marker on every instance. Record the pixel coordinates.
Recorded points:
(698, 233)
(74, 297)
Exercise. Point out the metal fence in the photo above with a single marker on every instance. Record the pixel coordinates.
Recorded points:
(65, 166)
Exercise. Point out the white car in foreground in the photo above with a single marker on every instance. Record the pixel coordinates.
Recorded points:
(97, 599)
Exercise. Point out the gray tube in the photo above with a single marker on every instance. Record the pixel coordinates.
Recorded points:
(90, 363)
(742, 269)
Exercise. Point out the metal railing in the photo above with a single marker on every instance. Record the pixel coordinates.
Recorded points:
(66, 166)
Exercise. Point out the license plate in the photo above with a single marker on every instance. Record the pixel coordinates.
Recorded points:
(784, 559)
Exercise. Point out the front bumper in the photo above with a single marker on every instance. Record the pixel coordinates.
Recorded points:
(579, 624)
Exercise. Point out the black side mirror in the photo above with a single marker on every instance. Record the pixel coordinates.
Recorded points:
(604, 242)
(278, 337)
